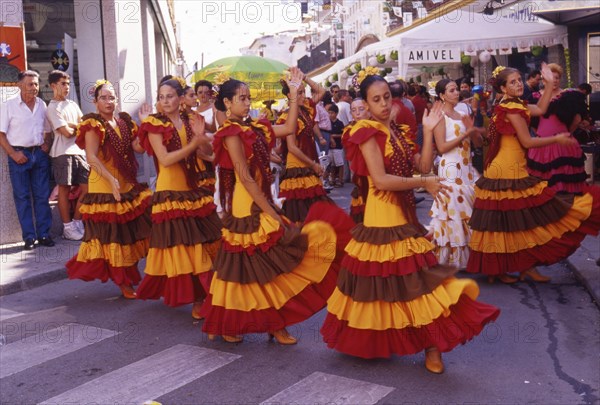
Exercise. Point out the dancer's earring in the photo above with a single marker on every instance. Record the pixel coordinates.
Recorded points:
(228, 113)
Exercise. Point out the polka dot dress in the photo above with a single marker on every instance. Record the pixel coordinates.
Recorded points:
(449, 219)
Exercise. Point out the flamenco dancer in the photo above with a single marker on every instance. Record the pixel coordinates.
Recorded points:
(392, 297)
(116, 210)
(562, 166)
(186, 230)
(301, 185)
(269, 274)
(518, 222)
(449, 224)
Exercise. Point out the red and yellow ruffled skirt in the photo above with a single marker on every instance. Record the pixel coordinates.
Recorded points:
(186, 233)
(301, 188)
(357, 206)
(116, 237)
(521, 223)
(393, 298)
(268, 277)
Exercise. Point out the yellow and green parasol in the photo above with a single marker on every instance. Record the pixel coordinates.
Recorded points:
(261, 74)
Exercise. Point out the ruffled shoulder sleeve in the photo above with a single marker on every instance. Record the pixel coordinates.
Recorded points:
(511, 106)
(282, 117)
(89, 122)
(155, 124)
(229, 128)
(311, 107)
(361, 132)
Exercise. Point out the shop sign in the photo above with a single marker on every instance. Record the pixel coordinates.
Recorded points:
(432, 55)
(12, 54)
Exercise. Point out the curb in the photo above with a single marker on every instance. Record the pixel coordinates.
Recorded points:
(33, 281)
(585, 281)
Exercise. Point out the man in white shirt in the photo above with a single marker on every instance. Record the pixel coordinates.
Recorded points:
(26, 138)
(344, 107)
(69, 166)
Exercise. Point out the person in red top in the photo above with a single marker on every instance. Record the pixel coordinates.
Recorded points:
(420, 105)
(403, 114)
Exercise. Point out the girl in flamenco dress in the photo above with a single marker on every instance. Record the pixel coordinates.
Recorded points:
(518, 222)
(358, 195)
(301, 185)
(449, 224)
(562, 166)
(116, 210)
(269, 274)
(392, 297)
(186, 230)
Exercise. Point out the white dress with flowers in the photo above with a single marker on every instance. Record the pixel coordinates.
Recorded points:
(449, 219)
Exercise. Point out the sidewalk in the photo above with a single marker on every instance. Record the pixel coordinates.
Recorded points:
(21, 270)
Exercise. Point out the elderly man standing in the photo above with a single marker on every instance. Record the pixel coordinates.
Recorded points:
(25, 135)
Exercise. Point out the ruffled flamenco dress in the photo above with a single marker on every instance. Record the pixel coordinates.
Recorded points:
(268, 276)
(116, 232)
(562, 166)
(450, 218)
(300, 185)
(392, 297)
(358, 195)
(518, 222)
(186, 230)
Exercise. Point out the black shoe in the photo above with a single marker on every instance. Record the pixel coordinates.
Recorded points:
(46, 241)
(29, 244)
(419, 199)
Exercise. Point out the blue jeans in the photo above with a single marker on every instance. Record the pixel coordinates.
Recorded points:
(32, 179)
(324, 148)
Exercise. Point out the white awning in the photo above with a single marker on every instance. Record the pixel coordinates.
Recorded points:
(460, 31)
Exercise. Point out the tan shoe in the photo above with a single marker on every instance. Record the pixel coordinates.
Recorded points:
(283, 337)
(534, 275)
(433, 360)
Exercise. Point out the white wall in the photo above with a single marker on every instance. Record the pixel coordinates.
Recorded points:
(88, 28)
(11, 13)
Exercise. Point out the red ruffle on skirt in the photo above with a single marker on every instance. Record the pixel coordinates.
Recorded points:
(176, 291)
(493, 264)
(466, 320)
(302, 193)
(221, 321)
(99, 269)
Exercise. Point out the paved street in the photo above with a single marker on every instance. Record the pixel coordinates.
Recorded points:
(75, 342)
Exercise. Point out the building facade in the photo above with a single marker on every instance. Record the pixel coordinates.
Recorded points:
(130, 43)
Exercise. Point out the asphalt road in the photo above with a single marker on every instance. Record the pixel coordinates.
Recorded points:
(76, 342)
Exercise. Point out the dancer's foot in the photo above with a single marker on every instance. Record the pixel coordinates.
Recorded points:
(283, 337)
(196, 310)
(433, 360)
(534, 275)
(503, 278)
(127, 291)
